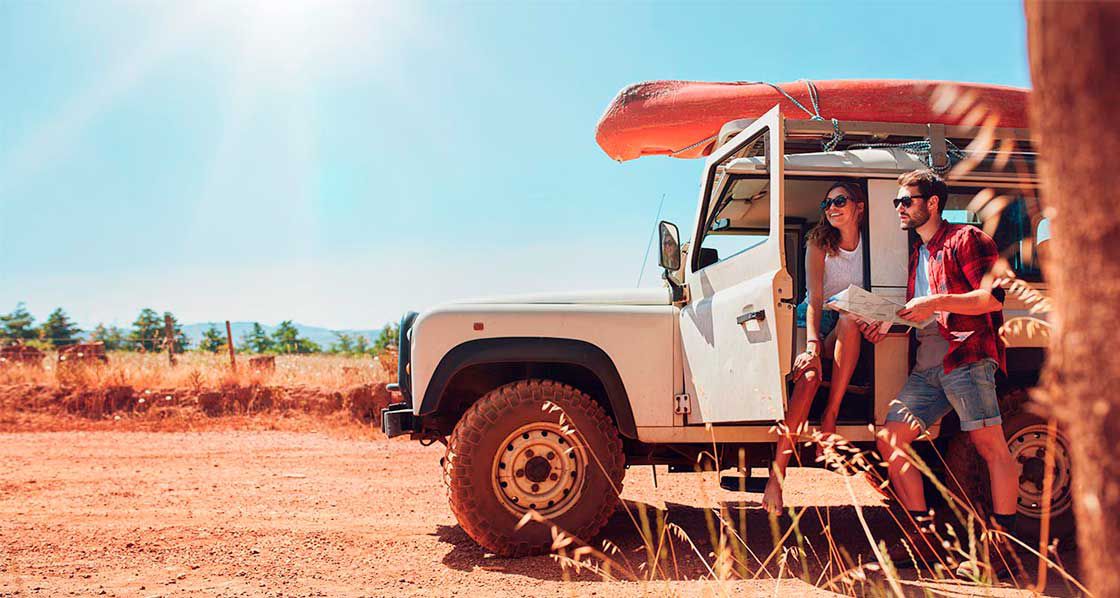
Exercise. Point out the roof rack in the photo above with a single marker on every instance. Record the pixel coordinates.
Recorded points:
(814, 136)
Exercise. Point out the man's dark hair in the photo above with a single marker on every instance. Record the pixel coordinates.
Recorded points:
(929, 184)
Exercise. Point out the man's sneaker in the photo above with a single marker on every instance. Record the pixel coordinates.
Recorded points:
(1000, 570)
(920, 550)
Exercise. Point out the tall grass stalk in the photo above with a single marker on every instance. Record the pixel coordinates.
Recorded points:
(732, 558)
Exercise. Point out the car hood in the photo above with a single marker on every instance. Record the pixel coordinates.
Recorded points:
(654, 296)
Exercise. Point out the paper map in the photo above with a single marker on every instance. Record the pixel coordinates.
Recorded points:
(866, 305)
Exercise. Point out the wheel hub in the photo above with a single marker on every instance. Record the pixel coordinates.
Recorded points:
(539, 468)
(1028, 449)
(1034, 472)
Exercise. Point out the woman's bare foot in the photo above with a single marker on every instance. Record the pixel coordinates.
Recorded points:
(772, 497)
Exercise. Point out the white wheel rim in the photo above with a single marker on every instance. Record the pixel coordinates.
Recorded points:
(540, 468)
(1028, 449)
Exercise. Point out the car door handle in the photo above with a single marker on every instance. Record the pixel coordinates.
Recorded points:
(759, 315)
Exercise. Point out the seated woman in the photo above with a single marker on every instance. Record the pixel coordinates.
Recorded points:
(833, 260)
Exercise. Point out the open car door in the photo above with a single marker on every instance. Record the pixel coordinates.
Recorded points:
(737, 328)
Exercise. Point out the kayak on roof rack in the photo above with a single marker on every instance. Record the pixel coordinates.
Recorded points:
(682, 119)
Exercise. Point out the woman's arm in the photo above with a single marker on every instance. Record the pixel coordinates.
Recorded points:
(814, 277)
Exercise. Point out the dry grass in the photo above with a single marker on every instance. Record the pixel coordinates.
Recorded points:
(145, 391)
(198, 371)
(971, 550)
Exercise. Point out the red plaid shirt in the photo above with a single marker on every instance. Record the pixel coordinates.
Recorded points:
(959, 257)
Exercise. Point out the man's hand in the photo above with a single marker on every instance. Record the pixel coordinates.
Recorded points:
(872, 331)
(918, 309)
(805, 362)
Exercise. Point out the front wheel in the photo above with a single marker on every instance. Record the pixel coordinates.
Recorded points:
(533, 445)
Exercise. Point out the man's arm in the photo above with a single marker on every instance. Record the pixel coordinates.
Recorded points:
(979, 254)
(972, 303)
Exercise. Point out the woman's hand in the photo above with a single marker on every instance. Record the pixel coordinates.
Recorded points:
(805, 362)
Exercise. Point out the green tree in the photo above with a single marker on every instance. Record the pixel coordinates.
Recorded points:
(361, 345)
(112, 336)
(343, 343)
(286, 339)
(147, 331)
(182, 343)
(18, 325)
(390, 335)
(212, 340)
(59, 330)
(351, 344)
(257, 340)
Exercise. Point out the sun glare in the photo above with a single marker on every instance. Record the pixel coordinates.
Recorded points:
(293, 35)
(281, 19)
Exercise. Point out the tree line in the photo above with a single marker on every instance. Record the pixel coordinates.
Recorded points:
(285, 339)
(148, 333)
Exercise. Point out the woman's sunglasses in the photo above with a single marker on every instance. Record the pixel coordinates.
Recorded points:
(838, 201)
(906, 200)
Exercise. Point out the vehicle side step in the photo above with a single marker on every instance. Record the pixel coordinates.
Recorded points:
(742, 482)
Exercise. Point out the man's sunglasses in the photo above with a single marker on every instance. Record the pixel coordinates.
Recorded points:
(906, 200)
(839, 201)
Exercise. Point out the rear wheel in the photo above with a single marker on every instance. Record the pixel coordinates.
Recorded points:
(534, 445)
(1027, 439)
(1026, 435)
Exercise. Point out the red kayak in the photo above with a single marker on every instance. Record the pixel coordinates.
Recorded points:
(682, 118)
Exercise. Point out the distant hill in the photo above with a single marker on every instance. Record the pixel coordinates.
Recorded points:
(323, 336)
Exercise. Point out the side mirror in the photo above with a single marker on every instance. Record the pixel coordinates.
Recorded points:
(670, 246)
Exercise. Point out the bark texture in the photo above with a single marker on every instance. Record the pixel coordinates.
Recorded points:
(1075, 61)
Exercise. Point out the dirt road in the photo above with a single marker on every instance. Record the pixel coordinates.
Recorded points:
(280, 513)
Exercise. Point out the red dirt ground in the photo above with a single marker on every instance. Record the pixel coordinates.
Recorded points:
(235, 513)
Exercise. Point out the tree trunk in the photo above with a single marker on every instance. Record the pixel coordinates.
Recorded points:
(1075, 61)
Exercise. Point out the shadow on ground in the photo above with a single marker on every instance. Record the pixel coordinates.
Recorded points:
(825, 533)
(681, 561)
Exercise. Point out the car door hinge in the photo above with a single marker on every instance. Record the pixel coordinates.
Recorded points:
(682, 404)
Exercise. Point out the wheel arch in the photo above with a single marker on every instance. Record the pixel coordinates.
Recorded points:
(1024, 364)
(475, 367)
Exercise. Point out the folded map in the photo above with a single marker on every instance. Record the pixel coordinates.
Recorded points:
(868, 306)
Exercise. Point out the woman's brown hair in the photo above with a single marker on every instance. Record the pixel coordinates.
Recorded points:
(826, 236)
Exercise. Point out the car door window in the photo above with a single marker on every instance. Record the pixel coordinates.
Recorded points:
(1017, 230)
(740, 220)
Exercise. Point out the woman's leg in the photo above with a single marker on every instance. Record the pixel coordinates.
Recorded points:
(845, 354)
(803, 393)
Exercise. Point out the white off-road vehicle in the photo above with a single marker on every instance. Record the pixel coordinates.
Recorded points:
(543, 401)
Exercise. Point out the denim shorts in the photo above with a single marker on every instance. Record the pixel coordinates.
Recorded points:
(970, 390)
(829, 318)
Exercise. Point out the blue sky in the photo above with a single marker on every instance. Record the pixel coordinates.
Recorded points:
(339, 163)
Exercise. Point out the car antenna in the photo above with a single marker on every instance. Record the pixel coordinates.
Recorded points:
(649, 243)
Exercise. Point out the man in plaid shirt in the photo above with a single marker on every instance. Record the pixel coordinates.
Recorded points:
(958, 353)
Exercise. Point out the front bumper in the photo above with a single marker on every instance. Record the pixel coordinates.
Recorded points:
(397, 420)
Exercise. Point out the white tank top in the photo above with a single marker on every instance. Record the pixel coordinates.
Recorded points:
(840, 270)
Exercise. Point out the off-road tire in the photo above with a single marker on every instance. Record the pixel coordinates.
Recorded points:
(970, 479)
(475, 450)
